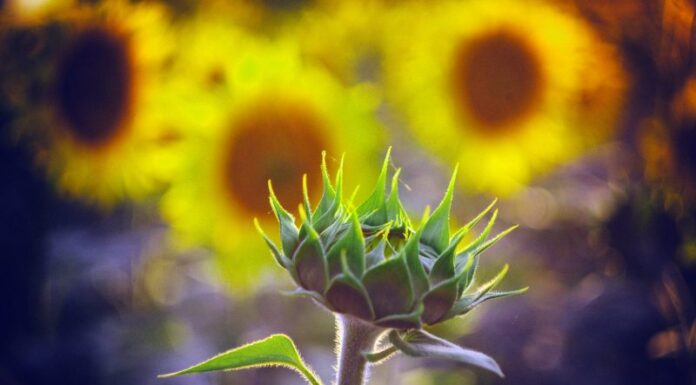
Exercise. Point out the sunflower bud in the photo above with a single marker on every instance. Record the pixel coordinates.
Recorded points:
(370, 262)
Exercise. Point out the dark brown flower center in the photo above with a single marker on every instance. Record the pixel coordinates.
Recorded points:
(94, 86)
(497, 80)
(278, 140)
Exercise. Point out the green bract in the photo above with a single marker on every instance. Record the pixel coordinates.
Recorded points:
(368, 260)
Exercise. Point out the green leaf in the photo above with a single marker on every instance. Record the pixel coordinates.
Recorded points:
(436, 228)
(419, 343)
(276, 350)
(289, 235)
(373, 210)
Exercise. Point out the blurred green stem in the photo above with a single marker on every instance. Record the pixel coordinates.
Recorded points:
(354, 337)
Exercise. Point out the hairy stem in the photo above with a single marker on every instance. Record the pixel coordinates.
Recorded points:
(353, 337)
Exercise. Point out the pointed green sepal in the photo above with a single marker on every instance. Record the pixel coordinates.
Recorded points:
(495, 239)
(389, 287)
(419, 278)
(482, 214)
(350, 203)
(333, 214)
(305, 199)
(373, 210)
(419, 343)
(476, 243)
(425, 216)
(394, 208)
(377, 232)
(339, 179)
(380, 356)
(444, 267)
(470, 301)
(376, 254)
(329, 194)
(410, 320)
(303, 293)
(330, 203)
(436, 228)
(288, 231)
(282, 260)
(352, 244)
(334, 231)
(346, 294)
(468, 272)
(393, 203)
(310, 262)
(492, 283)
(467, 300)
(439, 300)
(276, 350)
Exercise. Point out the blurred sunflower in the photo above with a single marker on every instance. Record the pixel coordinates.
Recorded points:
(257, 114)
(31, 12)
(264, 17)
(341, 38)
(667, 145)
(507, 89)
(98, 133)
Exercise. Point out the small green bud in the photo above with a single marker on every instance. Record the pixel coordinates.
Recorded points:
(371, 263)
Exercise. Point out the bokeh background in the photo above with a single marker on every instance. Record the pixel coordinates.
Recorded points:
(137, 139)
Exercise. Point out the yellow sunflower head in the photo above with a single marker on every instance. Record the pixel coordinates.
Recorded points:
(98, 130)
(507, 89)
(264, 116)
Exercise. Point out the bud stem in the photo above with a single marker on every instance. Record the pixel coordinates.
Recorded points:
(354, 336)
